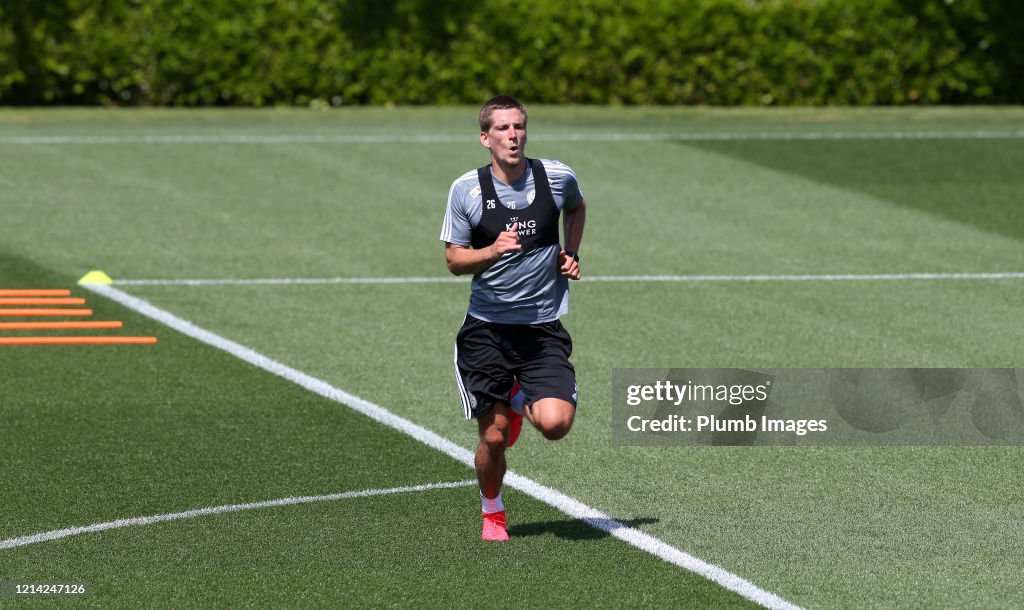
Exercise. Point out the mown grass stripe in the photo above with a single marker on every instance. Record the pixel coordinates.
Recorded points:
(839, 277)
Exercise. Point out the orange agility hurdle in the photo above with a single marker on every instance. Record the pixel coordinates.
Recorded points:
(74, 340)
(21, 292)
(44, 312)
(59, 325)
(41, 301)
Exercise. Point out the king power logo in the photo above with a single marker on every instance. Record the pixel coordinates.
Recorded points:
(526, 227)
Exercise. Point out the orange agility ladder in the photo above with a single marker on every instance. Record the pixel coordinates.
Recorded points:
(43, 298)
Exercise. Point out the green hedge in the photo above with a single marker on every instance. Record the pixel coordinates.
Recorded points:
(722, 52)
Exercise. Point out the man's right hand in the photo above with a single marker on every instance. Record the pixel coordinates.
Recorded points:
(464, 260)
(508, 241)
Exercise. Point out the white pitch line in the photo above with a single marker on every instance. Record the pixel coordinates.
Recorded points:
(236, 139)
(841, 277)
(284, 281)
(845, 277)
(449, 138)
(552, 497)
(20, 541)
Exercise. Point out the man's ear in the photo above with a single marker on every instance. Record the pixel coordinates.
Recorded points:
(485, 141)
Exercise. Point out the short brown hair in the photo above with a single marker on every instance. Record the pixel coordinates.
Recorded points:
(499, 102)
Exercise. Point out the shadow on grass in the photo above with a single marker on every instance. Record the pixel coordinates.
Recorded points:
(575, 529)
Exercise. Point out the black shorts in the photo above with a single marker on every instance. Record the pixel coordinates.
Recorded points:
(489, 357)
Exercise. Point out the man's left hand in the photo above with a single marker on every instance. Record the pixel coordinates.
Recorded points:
(569, 266)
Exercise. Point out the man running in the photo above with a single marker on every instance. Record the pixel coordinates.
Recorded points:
(501, 226)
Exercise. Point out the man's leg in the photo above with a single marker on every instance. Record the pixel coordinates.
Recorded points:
(490, 469)
(548, 378)
(490, 453)
(517, 410)
(552, 416)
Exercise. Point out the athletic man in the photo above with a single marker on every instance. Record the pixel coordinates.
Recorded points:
(501, 226)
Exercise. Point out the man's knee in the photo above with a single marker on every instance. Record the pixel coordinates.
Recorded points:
(553, 417)
(555, 431)
(493, 438)
(494, 432)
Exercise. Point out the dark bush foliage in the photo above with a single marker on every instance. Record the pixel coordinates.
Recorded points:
(722, 52)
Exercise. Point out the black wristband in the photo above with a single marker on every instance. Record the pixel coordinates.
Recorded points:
(570, 253)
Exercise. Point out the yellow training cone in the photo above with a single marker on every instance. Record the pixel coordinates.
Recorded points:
(95, 277)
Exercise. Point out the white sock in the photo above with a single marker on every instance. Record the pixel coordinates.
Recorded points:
(492, 505)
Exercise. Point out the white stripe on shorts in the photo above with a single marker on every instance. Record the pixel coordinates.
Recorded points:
(463, 394)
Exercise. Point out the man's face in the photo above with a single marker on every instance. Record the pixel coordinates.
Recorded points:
(506, 138)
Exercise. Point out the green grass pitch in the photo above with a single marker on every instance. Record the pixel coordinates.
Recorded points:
(91, 434)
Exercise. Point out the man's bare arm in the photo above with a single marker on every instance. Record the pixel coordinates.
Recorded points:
(462, 260)
(573, 223)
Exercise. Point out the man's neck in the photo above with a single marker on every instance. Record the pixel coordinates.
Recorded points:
(508, 173)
